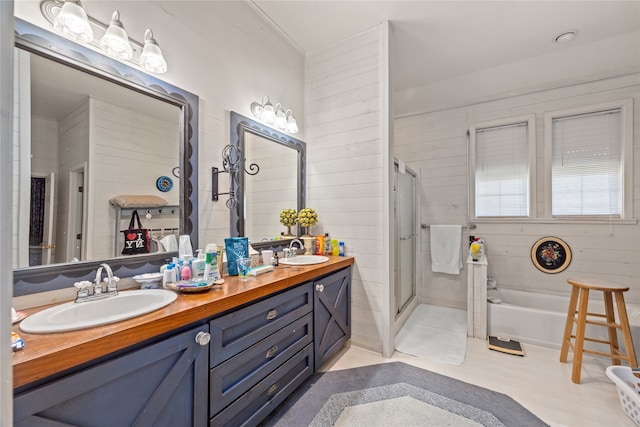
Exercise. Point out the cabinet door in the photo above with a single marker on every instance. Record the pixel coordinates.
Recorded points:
(163, 384)
(331, 314)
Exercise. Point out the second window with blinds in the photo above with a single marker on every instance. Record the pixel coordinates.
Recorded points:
(588, 161)
(587, 164)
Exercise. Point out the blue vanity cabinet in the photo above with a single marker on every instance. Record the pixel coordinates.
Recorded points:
(162, 384)
(331, 314)
(259, 355)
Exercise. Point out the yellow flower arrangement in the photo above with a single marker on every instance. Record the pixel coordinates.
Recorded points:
(307, 217)
(288, 217)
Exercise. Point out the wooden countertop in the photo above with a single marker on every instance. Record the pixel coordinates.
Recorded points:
(48, 354)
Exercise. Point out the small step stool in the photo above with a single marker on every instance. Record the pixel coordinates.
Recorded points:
(580, 291)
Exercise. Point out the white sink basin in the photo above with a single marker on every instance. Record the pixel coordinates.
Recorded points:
(72, 316)
(304, 260)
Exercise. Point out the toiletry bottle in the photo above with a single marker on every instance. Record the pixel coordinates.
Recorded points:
(164, 266)
(327, 245)
(341, 249)
(198, 264)
(274, 261)
(335, 248)
(319, 245)
(211, 271)
(169, 275)
(476, 249)
(185, 273)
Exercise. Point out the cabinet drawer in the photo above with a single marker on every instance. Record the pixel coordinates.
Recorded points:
(265, 396)
(237, 331)
(234, 377)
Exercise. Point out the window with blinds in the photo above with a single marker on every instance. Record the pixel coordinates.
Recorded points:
(502, 171)
(586, 165)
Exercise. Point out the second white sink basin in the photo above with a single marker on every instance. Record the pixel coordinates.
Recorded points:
(304, 260)
(72, 316)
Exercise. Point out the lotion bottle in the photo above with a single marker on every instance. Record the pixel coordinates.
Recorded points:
(169, 275)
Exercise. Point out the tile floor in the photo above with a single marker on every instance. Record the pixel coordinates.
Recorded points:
(537, 381)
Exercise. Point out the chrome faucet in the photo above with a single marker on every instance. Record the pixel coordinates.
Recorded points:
(89, 291)
(293, 251)
(111, 281)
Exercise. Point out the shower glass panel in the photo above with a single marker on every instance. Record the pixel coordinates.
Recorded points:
(405, 219)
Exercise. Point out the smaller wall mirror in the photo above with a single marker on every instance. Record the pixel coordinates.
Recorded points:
(279, 184)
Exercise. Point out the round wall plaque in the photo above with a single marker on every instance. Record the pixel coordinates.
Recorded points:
(551, 255)
(164, 184)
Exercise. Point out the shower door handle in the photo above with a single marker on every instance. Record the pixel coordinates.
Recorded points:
(408, 237)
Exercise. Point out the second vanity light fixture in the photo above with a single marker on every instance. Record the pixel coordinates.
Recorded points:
(70, 19)
(274, 116)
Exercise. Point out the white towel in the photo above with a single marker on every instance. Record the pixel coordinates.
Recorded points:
(446, 241)
(169, 242)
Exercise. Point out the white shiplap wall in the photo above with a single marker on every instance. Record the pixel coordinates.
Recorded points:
(347, 108)
(435, 144)
(73, 153)
(129, 151)
(20, 157)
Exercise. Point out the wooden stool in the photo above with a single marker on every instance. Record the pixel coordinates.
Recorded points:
(581, 288)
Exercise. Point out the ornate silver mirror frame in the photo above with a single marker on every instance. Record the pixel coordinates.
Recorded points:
(44, 43)
(240, 126)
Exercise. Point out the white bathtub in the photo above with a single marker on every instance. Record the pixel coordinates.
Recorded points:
(539, 319)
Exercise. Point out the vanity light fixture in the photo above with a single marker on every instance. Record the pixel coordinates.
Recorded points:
(151, 58)
(115, 41)
(281, 119)
(292, 125)
(71, 20)
(274, 116)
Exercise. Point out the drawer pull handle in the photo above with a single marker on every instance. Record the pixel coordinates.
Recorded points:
(203, 338)
(320, 287)
(272, 390)
(272, 314)
(271, 352)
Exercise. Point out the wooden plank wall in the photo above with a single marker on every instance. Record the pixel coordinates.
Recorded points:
(20, 162)
(346, 159)
(435, 145)
(129, 151)
(73, 151)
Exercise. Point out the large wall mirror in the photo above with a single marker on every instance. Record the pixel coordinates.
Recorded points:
(91, 129)
(279, 183)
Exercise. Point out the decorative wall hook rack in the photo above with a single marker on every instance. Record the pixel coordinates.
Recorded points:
(232, 163)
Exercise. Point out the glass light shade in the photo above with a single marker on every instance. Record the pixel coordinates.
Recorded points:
(268, 113)
(115, 41)
(151, 58)
(292, 125)
(256, 110)
(73, 23)
(281, 119)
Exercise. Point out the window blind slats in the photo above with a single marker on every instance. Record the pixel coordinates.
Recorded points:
(586, 164)
(502, 165)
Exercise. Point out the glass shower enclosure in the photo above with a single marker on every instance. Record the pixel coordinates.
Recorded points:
(405, 242)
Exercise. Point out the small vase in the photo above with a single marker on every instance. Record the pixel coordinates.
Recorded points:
(309, 245)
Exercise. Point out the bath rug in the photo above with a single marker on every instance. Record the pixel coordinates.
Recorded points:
(396, 394)
(505, 345)
(435, 333)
